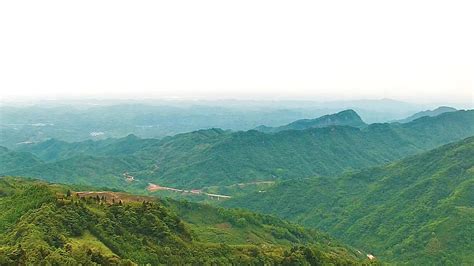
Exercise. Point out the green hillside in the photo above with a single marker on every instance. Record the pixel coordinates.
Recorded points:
(53, 150)
(418, 210)
(50, 224)
(11, 160)
(216, 157)
(343, 118)
(86, 170)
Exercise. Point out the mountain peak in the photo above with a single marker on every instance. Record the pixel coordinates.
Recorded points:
(445, 109)
(343, 118)
(347, 114)
(435, 112)
(132, 136)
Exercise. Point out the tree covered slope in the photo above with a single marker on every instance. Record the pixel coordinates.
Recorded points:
(86, 170)
(217, 157)
(11, 160)
(48, 224)
(417, 210)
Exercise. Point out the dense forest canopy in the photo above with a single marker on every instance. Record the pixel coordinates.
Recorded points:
(417, 210)
(52, 224)
(75, 121)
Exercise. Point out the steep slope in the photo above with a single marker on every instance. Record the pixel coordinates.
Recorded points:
(48, 224)
(216, 157)
(343, 118)
(435, 112)
(418, 210)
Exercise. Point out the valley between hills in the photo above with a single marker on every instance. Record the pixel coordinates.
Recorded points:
(332, 190)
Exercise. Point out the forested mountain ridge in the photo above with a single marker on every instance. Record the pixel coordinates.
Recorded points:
(343, 118)
(50, 224)
(218, 157)
(54, 150)
(418, 210)
(435, 112)
(97, 119)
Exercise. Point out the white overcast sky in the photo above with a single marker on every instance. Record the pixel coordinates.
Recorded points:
(418, 51)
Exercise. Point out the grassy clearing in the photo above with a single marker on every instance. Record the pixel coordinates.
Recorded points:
(89, 241)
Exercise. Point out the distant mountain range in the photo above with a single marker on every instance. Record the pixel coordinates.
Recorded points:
(419, 210)
(435, 112)
(97, 120)
(218, 157)
(343, 118)
(11, 160)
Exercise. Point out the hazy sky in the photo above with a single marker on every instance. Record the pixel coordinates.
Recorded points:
(409, 50)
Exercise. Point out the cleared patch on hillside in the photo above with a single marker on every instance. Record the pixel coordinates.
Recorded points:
(89, 241)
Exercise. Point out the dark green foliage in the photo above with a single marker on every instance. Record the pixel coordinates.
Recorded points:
(56, 229)
(419, 210)
(18, 198)
(242, 227)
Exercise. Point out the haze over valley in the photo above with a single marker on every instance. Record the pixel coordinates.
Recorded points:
(236, 132)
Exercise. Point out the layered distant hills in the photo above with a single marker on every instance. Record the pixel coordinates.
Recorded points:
(217, 157)
(53, 225)
(75, 121)
(418, 210)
